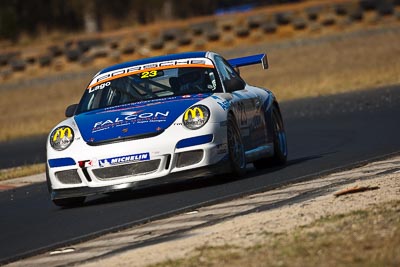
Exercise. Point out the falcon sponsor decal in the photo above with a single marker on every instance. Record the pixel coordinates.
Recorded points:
(124, 159)
(131, 117)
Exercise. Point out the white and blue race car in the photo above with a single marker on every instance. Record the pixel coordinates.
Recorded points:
(163, 119)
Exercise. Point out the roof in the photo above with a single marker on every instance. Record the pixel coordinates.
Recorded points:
(153, 60)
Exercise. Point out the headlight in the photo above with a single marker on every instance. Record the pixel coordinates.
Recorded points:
(61, 138)
(195, 117)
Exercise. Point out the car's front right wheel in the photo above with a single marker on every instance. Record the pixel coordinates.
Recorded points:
(237, 155)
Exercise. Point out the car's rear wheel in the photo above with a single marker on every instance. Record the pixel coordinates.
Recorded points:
(280, 145)
(237, 156)
(69, 202)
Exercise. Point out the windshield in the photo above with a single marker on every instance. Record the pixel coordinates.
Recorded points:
(149, 84)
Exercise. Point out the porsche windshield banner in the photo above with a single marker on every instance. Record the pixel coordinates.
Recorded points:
(190, 62)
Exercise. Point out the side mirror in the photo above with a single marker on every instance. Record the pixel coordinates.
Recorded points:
(234, 84)
(70, 111)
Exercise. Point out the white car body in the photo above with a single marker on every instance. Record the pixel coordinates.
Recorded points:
(101, 155)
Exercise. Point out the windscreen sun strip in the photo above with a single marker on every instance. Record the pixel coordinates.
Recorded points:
(91, 85)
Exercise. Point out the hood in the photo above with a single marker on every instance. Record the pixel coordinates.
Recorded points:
(140, 119)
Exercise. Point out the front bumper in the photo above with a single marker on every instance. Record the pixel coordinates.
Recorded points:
(221, 167)
(83, 170)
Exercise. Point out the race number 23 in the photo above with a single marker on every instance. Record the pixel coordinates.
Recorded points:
(148, 74)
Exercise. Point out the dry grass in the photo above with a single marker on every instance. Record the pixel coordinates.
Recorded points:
(319, 68)
(22, 171)
(363, 238)
(36, 109)
(331, 67)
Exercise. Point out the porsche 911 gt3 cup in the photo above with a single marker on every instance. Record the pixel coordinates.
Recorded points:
(160, 120)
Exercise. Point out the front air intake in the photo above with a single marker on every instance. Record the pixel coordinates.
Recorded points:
(189, 158)
(68, 177)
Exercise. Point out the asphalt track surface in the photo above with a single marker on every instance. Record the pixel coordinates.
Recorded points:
(22, 152)
(324, 134)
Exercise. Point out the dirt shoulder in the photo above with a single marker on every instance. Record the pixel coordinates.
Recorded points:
(296, 225)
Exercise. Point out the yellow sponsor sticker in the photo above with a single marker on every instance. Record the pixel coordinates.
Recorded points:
(193, 112)
(62, 132)
(148, 74)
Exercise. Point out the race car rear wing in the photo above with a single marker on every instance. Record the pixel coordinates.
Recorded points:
(249, 60)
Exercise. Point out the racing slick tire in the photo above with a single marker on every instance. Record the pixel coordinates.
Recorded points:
(280, 145)
(237, 157)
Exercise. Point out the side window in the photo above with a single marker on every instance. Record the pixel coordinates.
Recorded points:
(227, 73)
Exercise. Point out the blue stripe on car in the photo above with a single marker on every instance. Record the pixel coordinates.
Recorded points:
(61, 162)
(194, 141)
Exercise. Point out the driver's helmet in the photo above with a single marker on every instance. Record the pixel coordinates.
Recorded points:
(192, 80)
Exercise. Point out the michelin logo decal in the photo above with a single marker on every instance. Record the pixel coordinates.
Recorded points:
(124, 159)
